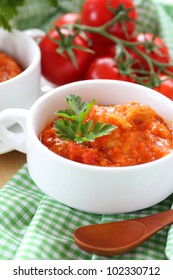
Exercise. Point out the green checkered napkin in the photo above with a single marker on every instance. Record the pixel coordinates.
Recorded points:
(35, 226)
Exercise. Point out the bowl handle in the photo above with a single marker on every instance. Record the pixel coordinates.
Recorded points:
(37, 35)
(34, 33)
(16, 140)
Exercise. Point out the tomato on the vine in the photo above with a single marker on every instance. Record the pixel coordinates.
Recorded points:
(68, 18)
(151, 45)
(96, 13)
(105, 50)
(105, 68)
(166, 86)
(59, 68)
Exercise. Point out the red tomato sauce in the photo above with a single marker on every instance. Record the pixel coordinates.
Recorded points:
(9, 68)
(140, 136)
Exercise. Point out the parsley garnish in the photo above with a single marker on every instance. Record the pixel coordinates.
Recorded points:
(72, 126)
(8, 10)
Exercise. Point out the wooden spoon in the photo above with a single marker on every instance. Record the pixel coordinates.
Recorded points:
(120, 237)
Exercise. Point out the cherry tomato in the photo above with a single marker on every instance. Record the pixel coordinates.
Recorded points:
(166, 87)
(59, 69)
(75, 18)
(98, 12)
(156, 50)
(67, 19)
(170, 69)
(104, 68)
(104, 50)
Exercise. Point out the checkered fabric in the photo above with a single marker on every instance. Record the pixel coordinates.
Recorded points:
(35, 226)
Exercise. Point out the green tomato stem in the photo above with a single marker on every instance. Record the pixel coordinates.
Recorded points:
(102, 30)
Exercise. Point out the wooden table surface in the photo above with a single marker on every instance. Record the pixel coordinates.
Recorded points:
(9, 164)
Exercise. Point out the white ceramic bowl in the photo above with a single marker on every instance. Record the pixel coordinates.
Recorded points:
(84, 187)
(22, 90)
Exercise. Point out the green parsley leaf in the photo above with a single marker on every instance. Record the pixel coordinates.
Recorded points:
(81, 109)
(71, 126)
(8, 10)
(85, 133)
(66, 129)
(68, 114)
(101, 129)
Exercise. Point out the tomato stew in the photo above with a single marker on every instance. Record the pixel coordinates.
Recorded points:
(140, 136)
(9, 68)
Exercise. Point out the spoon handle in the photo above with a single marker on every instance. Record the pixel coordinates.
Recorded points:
(157, 221)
